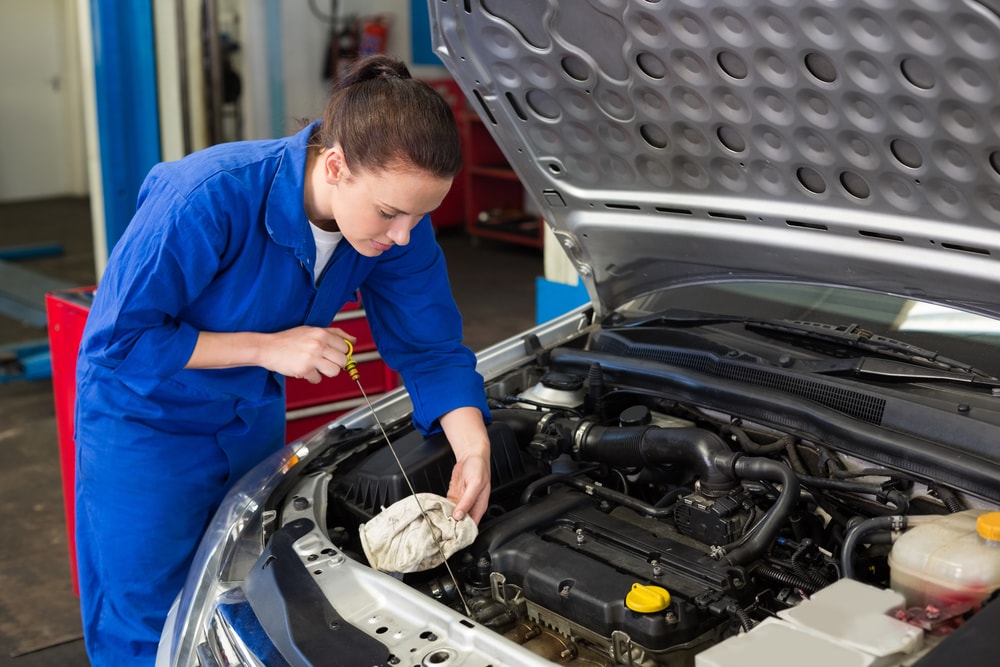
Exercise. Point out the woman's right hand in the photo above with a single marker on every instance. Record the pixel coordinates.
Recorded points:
(310, 353)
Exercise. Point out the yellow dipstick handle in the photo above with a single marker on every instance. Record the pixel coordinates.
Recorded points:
(351, 366)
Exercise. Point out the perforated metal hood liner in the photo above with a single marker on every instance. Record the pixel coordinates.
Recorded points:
(841, 142)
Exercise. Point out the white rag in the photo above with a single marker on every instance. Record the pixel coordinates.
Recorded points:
(401, 539)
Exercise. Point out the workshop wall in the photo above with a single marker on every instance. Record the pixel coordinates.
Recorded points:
(298, 45)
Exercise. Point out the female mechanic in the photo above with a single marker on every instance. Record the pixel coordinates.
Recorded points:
(226, 280)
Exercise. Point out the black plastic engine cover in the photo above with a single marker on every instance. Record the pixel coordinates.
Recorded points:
(378, 482)
(582, 565)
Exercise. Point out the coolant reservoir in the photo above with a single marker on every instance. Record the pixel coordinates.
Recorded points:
(953, 559)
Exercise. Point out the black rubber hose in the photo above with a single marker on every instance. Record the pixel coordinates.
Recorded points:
(595, 391)
(794, 459)
(949, 498)
(898, 499)
(525, 519)
(717, 469)
(857, 531)
(702, 450)
(542, 406)
(743, 618)
(803, 572)
(782, 577)
(523, 421)
(547, 481)
(671, 497)
(617, 497)
(763, 534)
(751, 447)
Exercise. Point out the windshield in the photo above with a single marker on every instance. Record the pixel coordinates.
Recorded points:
(958, 334)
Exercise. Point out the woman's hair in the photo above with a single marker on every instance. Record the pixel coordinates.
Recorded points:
(383, 118)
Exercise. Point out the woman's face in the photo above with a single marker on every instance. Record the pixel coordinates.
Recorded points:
(377, 210)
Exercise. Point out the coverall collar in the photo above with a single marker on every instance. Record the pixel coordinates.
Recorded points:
(286, 224)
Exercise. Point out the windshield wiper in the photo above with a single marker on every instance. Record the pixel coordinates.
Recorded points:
(921, 364)
(853, 335)
(675, 317)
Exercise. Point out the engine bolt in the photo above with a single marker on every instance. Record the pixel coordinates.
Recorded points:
(579, 536)
(657, 570)
(670, 617)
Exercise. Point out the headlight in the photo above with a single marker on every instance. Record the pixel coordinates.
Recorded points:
(211, 623)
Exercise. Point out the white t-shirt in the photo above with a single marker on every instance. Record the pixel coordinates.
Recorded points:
(325, 244)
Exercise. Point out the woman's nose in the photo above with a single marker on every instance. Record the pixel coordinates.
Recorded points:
(399, 231)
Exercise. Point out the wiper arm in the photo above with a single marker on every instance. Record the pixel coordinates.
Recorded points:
(676, 317)
(853, 335)
(891, 369)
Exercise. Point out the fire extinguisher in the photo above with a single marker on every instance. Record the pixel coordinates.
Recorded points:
(374, 36)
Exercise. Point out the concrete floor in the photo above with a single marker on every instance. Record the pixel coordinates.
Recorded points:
(39, 617)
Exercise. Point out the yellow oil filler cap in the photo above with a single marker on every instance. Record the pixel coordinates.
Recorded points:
(649, 599)
(988, 526)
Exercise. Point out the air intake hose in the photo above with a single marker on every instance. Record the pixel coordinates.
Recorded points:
(707, 455)
(717, 468)
(762, 535)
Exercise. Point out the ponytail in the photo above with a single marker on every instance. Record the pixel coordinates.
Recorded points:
(375, 67)
(382, 117)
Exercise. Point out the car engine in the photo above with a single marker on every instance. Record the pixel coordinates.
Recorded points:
(634, 522)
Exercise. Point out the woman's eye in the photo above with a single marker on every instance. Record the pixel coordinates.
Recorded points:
(386, 216)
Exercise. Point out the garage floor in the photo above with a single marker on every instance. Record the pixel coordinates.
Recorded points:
(39, 619)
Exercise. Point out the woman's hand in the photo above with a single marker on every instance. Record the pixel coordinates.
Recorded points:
(311, 353)
(469, 488)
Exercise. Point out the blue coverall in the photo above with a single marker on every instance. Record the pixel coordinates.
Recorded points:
(220, 242)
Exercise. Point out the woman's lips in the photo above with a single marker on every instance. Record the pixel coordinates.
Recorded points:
(381, 247)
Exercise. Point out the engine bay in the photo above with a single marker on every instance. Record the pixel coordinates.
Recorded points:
(634, 522)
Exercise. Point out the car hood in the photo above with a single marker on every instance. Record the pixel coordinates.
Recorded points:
(665, 143)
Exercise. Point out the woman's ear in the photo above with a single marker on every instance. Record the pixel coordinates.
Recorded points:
(334, 165)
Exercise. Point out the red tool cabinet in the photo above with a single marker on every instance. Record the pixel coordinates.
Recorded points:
(309, 406)
(66, 313)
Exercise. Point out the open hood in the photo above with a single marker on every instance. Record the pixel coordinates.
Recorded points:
(852, 143)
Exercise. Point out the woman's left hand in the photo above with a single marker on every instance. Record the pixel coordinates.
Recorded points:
(469, 488)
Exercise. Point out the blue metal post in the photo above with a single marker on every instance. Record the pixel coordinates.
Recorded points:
(275, 67)
(128, 123)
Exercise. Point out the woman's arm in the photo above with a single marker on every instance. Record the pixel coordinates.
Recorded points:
(303, 352)
(470, 479)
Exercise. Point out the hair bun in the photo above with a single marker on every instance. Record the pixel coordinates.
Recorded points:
(375, 67)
